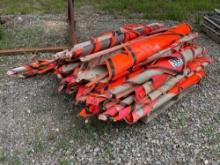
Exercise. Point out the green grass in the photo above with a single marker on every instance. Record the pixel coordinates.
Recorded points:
(158, 9)
(1, 32)
(68, 162)
(32, 6)
(15, 160)
(61, 143)
(38, 145)
(27, 37)
(211, 132)
(3, 155)
(10, 158)
(20, 37)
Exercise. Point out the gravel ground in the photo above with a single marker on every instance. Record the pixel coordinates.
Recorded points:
(40, 126)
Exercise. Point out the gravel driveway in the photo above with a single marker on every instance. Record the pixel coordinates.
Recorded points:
(40, 126)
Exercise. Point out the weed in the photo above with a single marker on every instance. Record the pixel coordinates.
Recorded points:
(3, 155)
(210, 132)
(64, 162)
(68, 162)
(38, 145)
(1, 32)
(84, 134)
(206, 130)
(22, 37)
(62, 143)
(14, 160)
(215, 139)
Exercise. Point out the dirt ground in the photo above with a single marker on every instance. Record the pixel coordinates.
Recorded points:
(40, 126)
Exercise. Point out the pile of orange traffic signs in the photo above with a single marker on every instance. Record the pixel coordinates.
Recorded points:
(127, 74)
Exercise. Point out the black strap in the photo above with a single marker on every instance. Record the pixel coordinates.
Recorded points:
(93, 45)
(111, 66)
(129, 49)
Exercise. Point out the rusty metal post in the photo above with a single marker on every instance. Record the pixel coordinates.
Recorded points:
(20, 51)
(71, 21)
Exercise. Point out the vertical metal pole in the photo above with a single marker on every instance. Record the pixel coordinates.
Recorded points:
(71, 22)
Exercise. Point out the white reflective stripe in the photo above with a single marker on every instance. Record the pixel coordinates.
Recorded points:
(19, 69)
(125, 92)
(140, 112)
(145, 76)
(148, 87)
(164, 88)
(120, 88)
(163, 99)
(139, 79)
(128, 100)
(189, 37)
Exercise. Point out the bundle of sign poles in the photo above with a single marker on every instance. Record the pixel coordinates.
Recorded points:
(128, 74)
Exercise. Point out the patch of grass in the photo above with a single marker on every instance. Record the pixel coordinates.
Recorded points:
(1, 32)
(159, 9)
(68, 162)
(38, 145)
(62, 143)
(14, 160)
(84, 134)
(35, 6)
(215, 139)
(212, 134)
(26, 37)
(15, 157)
(108, 153)
(206, 130)
(3, 156)
(89, 133)
(32, 6)
(22, 37)
(63, 162)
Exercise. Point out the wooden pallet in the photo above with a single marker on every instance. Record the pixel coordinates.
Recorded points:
(212, 33)
(211, 26)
